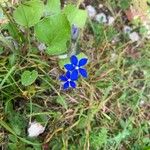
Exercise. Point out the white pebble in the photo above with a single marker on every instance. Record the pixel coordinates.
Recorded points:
(35, 129)
(91, 11)
(127, 29)
(110, 20)
(134, 36)
(41, 47)
(100, 5)
(142, 102)
(114, 57)
(101, 18)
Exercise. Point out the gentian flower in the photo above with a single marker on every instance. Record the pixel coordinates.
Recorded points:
(74, 32)
(69, 80)
(76, 67)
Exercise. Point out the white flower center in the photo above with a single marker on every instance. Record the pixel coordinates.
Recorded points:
(69, 80)
(77, 67)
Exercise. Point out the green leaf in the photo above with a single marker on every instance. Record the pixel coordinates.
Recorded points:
(12, 59)
(61, 100)
(27, 78)
(76, 16)
(53, 7)
(57, 48)
(98, 138)
(4, 124)
(124, 4)
(29, 13)
(55, 32)
(12, 146)
(82, 122)
(12, 138)
(121, 135)
(1, 50)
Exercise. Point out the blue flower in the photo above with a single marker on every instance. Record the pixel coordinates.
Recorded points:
(76, 67)
(74, 32)
(69, 80)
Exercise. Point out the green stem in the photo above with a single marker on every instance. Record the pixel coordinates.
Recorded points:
(12, 22)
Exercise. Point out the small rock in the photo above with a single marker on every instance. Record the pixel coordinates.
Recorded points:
(100, 5)
(35, 129)
(134, 36)
(127, 29)
(101, 18)
(91, 11)
(41, 47)
(114, 57)
(142, 102)
(110, 20)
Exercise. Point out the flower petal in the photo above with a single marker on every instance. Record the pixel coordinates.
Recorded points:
(68, 74)
(83, 72)
(63, 78)
(72, 84)
(74, 60)
(69, 67)
(66, 85)
(82, 62)
(74, 32)
(74, 75)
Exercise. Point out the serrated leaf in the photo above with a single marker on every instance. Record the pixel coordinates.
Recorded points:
(55, 32)
(76, 16)
(27, 78)
(29, 13)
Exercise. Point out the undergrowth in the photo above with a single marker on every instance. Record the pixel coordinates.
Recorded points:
(109, 110)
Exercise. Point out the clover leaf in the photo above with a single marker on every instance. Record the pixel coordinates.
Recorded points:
(28, 77)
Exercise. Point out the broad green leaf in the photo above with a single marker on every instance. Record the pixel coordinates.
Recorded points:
(52, 7)
(29, 13)
(57, 48)
(124, 4)
(55, 32)
(27, 78)
(76, 16)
